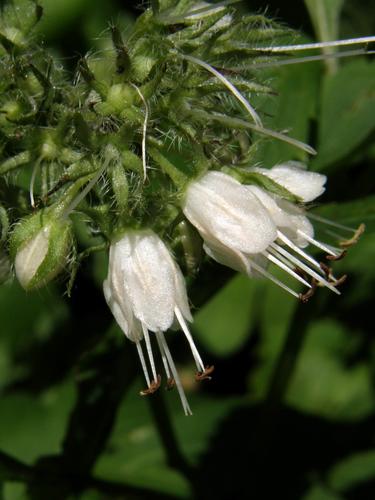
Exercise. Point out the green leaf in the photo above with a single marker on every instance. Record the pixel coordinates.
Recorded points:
(353, 470)
(276, 312)
(225, 322)
(32, 426)
(292, 111)
(320, 492)
(135, 454)
(322, 384)
(14, 491)
(348, 110)
(325, 16)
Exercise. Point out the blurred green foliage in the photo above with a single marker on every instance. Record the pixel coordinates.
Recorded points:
(290, 412)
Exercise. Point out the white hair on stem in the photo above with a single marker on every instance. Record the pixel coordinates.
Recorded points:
(307, 59)
(316, 45)
(229, 86)
(144, 132)
(32, 182)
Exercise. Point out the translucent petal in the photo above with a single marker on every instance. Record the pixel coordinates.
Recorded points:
(223, 210)
(150, 279)
(293, 176)
(288, 217)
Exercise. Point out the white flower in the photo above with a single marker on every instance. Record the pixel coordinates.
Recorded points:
(232, 222)
(145, 291)
(245, 227)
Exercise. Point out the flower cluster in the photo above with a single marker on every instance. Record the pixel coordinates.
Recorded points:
(158, 132)
(243, 227)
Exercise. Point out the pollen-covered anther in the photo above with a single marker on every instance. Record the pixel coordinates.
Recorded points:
(334, 258)
(206, 374)
(354, 239)
(171, 383)
(305, 297)
(154, 386)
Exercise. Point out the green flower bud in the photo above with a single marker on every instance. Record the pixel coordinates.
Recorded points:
(39, 247)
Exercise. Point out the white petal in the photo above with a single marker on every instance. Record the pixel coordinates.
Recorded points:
(31, 256)
(288, 217)
(223, 210)
(149, 275)
(307, 185)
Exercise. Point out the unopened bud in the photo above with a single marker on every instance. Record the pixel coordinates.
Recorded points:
(39, 247)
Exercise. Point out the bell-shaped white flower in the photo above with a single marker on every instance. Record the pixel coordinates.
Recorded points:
(232, 222)
(145, 291)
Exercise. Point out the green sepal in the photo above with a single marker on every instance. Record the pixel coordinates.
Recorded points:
(59, 244)
(263, 181)
(120, 186)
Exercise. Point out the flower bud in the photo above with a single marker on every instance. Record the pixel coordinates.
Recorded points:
(39, 247)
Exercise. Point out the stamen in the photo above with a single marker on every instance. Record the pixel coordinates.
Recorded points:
(268, 275)
(307, 269)
(352, 241)
(298, 250)
(305, 297)
(337, 257)
(143, 363)
(163, 357)
(271, 257)
(205, 375)
(194, 350)
(149, 351)
(229, 86)
(147, 112)
(329, 222)
(154, 386)
(180, 389)
(326, 248)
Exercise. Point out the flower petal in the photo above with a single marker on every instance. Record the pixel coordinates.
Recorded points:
(292, 176)
(224, 210)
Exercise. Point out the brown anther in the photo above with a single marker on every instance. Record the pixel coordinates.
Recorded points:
(354, 239)
(204, 375)
(305, 297)
(336, 257)
(326, 270)
(154, 386)
(170, 383)
(340, 280)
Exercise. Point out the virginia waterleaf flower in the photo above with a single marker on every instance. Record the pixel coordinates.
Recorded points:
(146, 292)
(246, 227)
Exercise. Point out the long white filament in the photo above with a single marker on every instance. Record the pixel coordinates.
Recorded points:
(144, 133)
(268, 275)
(149, 352)
(305, 268)
(163, 357)
(143, 363)
(298, 250)
(278, 262)
(318, 244)
(194, 350)
(229, 86)
(180, 389)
